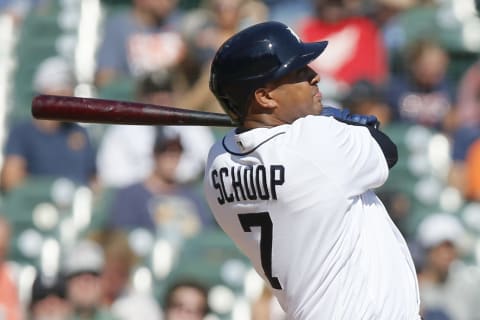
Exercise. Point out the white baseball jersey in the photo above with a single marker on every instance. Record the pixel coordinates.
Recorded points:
(297, 200)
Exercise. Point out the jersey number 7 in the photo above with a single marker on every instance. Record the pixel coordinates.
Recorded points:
(262, 220)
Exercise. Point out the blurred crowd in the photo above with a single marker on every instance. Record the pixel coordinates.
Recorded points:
(109, 221)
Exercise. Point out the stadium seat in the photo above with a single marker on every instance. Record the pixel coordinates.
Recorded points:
(203, 256)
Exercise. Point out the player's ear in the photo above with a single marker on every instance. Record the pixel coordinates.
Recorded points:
(263, 98)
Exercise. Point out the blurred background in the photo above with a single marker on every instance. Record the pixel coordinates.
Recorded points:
(109, 221)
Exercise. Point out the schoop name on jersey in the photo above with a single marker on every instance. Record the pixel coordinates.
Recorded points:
(241, 183)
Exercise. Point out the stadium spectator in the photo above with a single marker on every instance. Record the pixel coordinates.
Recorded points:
(118, 293)
(364, 97)
(356, 51)
(470, 184)
(159, 200)
(205, 29)
(18, 9)
(125, 151)
(45, 147)
(140, 39)
(423, 94)
(48, 299)
(446, 283)
(386, 13)
(405, 27)
(446, 22)
(119, 263)
(468, 105)
(186, 300)
(466, 133)
(10, 308)
(83, 267)
(266, 307)
(208, 26)
(289, 12)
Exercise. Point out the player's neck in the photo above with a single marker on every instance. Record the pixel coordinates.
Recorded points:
(260, 121)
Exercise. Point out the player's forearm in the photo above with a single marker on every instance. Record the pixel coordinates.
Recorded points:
(388, 147)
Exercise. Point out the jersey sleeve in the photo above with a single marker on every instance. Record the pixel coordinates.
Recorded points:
(348, 154)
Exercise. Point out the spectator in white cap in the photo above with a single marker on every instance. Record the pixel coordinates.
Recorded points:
(447, 284)
(85, 257)
(47, 148)
(54, 76)
(440, 228)
(83, 266)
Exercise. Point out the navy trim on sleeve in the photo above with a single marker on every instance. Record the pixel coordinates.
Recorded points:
(388, 147)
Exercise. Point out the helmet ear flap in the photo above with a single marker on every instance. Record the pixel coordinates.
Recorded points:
(229, 108)
(222, 98)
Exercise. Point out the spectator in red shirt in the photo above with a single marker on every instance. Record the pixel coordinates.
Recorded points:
(356, 51)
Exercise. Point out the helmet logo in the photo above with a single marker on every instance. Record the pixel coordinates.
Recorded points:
(294, 34)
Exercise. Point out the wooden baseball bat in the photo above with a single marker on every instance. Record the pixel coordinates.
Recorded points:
(93, 110)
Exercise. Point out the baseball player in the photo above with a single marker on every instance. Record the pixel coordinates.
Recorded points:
(292, 185)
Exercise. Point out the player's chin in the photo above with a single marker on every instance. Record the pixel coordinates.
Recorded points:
(317, 106)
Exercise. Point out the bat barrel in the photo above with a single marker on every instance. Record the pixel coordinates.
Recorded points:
(91, 110)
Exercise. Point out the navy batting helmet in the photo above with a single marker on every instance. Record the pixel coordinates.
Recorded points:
(253, 57)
